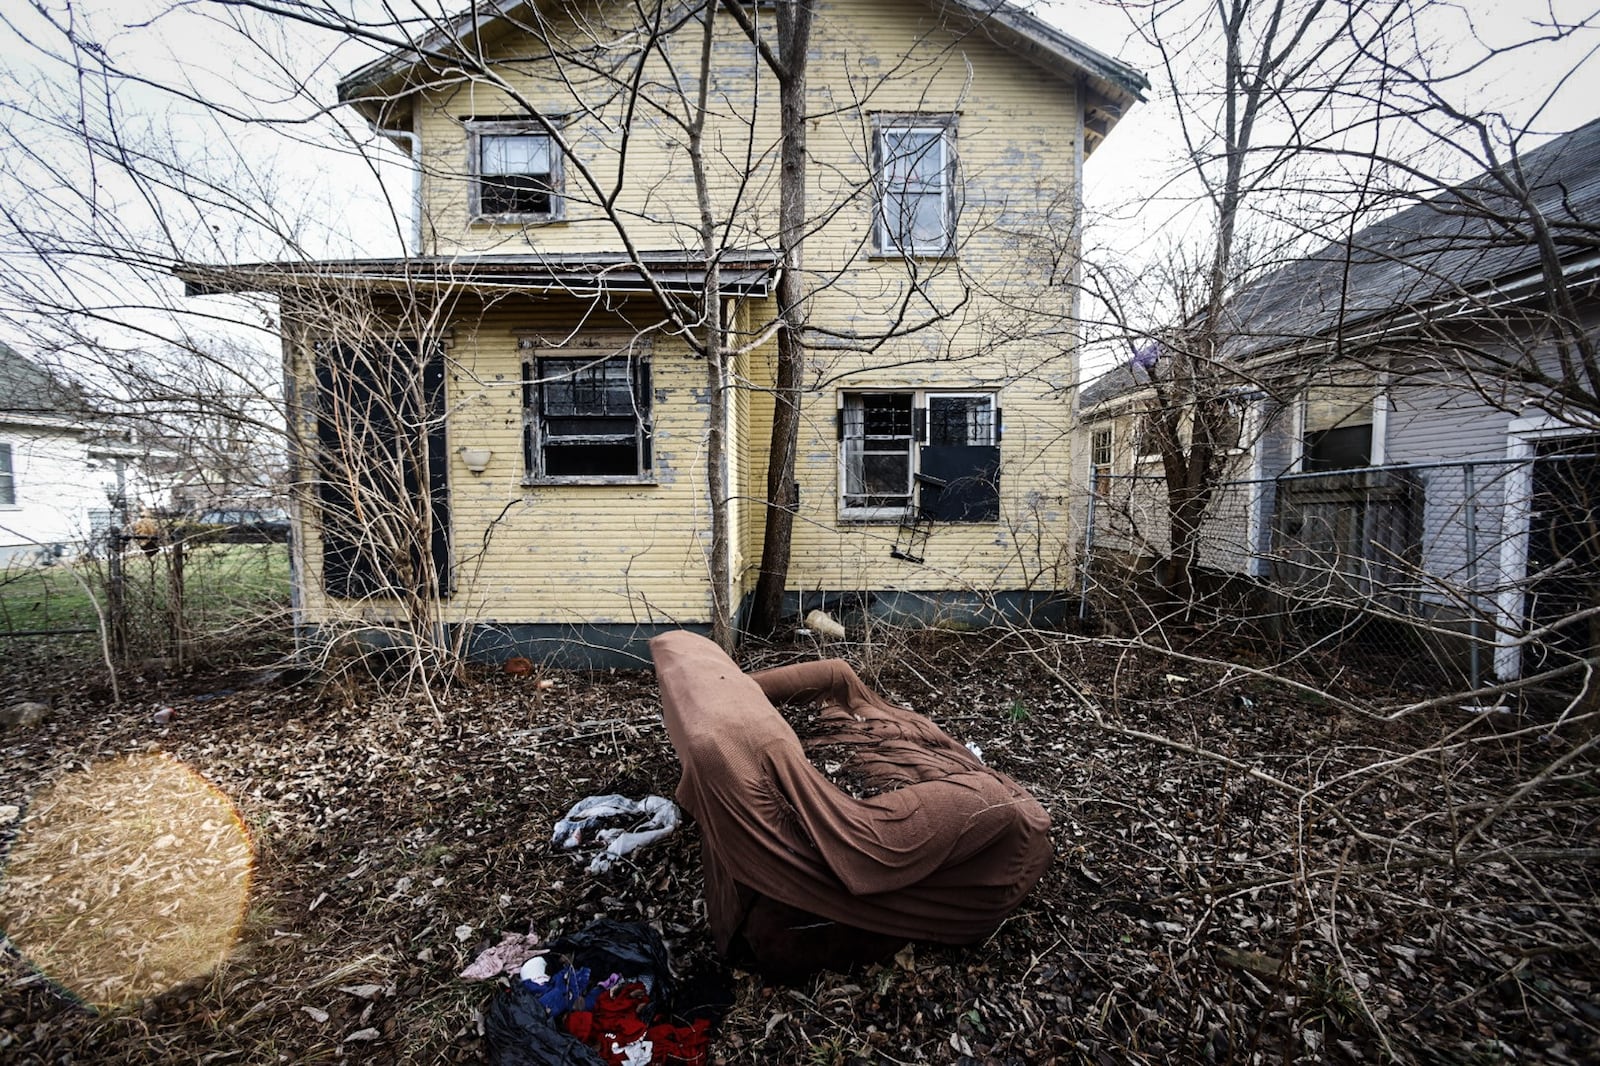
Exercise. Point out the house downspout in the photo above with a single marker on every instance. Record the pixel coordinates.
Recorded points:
(413, 144)
(1075, 308)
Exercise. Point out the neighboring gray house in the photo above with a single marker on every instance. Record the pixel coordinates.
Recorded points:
(1441, 346)
(62, 466)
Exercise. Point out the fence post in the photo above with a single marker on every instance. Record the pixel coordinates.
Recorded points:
(116, 592)
(1470, 511)
(1088, 547)
(177, 636)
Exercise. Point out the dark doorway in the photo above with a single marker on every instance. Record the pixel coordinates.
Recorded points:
(1563, 549)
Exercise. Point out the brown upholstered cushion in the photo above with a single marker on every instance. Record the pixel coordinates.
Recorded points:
(944, 855)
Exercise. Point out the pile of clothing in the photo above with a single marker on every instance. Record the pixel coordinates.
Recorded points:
(610, 1000)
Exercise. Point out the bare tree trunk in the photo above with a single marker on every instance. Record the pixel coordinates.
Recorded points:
(715, 349)
(783, 491)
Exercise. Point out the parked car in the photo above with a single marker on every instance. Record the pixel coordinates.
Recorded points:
(243, 525)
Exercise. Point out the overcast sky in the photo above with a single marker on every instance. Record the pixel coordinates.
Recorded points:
(326, 190)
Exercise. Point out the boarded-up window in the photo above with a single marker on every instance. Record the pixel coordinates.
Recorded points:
(937, 453)
(382, 469)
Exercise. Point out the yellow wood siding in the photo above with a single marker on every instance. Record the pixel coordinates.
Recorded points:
(993, 317)
(559, 553)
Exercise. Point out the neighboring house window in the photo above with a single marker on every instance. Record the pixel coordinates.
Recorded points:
(516, 172)
(916, 170)
(1336, 432)
(936, 453)
(588, 418)
(1100, 461)
(8, 478)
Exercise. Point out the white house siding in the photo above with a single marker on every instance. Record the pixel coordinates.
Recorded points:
(57, 485)
(1444, 424)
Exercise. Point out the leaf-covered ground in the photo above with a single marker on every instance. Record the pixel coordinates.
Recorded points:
(1243, 872)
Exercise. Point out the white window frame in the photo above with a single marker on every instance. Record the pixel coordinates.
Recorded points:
(1377, 444)
(8, 476)
(1110, 436)
(477, 130)
(943, 129)
(1102, 469)
(876, 514)
(921, 400)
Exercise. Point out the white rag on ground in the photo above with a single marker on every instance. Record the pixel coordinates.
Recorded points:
(573, 830)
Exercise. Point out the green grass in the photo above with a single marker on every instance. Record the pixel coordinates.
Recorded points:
(226, 587)
(35, 597)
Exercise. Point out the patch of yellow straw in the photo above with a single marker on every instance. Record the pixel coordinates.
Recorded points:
(126, 879)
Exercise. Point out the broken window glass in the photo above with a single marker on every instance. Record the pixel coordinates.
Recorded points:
(591, 418)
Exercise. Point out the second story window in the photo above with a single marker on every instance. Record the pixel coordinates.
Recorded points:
(516, 172)
(916, 196)
(1100, 461)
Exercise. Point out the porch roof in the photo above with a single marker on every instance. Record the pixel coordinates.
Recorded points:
(747, 273)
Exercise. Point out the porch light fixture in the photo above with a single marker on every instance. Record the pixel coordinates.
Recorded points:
(476, 459)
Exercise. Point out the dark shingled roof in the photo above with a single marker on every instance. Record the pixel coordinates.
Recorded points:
(1471, 240)
(28, 389)
(1114, 382)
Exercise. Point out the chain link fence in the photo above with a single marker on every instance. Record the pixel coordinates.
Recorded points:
(1484, 569)
(171, 594)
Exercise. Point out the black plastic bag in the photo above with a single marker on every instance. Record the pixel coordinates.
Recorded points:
(518, 1031)
(633, 949)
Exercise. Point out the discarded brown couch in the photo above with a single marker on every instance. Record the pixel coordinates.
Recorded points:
(800, 874)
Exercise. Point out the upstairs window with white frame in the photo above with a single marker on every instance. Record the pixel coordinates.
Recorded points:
(516, 172)
(931, 453)
(915, 164)
(1336, 426)
(587, 419)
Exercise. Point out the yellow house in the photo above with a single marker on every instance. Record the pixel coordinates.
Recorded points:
(593, 181)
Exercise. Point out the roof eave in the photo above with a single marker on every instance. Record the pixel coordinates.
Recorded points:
(747, 276)
(1113, 77)
(372, 90)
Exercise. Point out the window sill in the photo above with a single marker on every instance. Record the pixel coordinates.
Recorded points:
(900, 257)
(872, 518)
(600, 480)
(515, 220)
